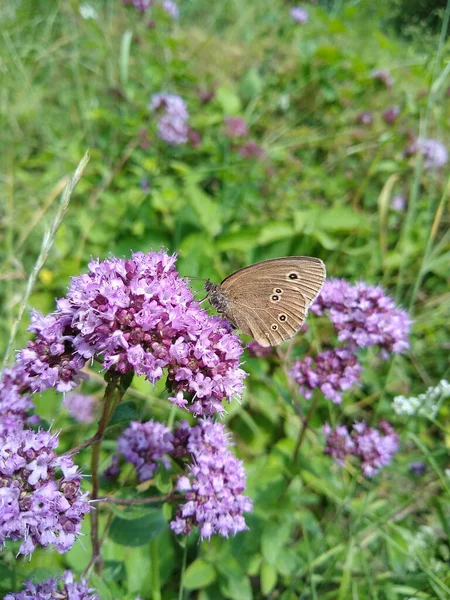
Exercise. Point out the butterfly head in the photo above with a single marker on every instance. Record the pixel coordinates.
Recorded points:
(215, 296)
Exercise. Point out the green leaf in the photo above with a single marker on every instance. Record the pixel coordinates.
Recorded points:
(274, 537)
(228, 100)
(274, 231)
(343, 218)
(100, 587)
(252, 84)
(137, 532)
(269, 578)
(199, 574)
(124, 413)
(163, 480)
(244, 239)
(237, 587)
(206, 211)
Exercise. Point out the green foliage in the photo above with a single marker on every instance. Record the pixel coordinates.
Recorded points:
(323, 188)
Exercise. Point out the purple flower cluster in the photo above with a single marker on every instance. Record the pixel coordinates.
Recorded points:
(171, 8)
(81, 407)
(364, 315)
(40, 498)
(331, 371)
(255, 350)
(374, 447)
(173, 116)
(137, 316)
(144, 445)
(398, 203)
(213, 480)
(252, 150)
(391, 114)
(365, 118)
(434, 152)
(235, 127)
(62, 588)
(142, 6)
(299, 14)
(50, 361)
(15, 402)
(383, 76)
(214, 485)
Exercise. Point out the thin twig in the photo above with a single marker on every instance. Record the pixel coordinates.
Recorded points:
(113, 396)
(305, 423)
(132, 501)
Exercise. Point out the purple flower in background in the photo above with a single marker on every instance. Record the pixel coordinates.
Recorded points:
(374, 447)
(398, 203)
(145, 445)
(365, 118)
(434, 152)
(173, 116)
(145, 185)
(214, 485)
(171, 8)
(81, 407)
(194, 138)
(417, 468)
(235, 127)
(255, 350)
(383, 76)
(364, 315)
(138, 316)
(338, 443)
(15, 403)
(140, 5)
(331, 371)
(206, 95)
(252, 150)
(61, 588)
(40, 498)
(391, 114)
(299, 14)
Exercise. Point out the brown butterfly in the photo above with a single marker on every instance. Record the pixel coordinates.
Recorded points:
(269, 300)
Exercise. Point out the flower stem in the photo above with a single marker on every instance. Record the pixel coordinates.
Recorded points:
(131, 501)
(156, 583)
(304, 427)
(183, 569)
(114, 392)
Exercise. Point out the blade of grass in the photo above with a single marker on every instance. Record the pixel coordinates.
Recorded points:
(47, 243)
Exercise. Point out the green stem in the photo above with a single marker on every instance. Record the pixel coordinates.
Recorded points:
(412, 204)
(305, 423)
(114, 392)
(156, 582)
(183, 569)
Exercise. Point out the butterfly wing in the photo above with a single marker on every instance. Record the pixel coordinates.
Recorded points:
(270, 300)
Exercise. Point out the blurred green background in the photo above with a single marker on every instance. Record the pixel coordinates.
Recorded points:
(322, 186)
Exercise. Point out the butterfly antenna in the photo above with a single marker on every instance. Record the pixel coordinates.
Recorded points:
(195, 278)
